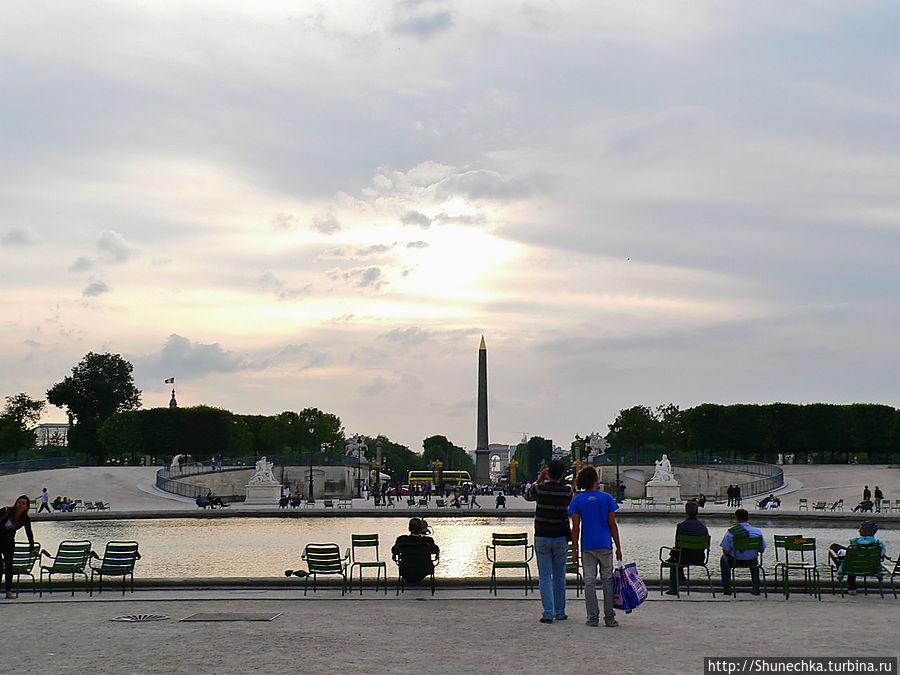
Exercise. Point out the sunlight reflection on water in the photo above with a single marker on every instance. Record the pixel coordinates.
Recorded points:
(263, 547)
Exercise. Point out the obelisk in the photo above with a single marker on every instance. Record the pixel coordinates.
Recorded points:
(482, 452)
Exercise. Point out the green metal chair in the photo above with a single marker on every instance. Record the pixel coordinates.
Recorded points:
(861, 560)
(743, 544)
(118, 560)
(684, 543)
(803, 504)
(71, 558)
(893, 572)
(23, 562)
(325, 559)
(805, 548)
(819, 506)
(414, 559)
(572, 568)
(365, 542)
(510, 542)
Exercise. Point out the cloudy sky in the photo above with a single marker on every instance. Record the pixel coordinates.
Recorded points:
(327, 204)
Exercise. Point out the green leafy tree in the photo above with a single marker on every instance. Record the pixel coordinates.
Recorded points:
(99, 386)
(399, 459)
(634, 428)
(20, 413)
(452, 456)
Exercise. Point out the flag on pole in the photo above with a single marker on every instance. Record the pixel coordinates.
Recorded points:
(170, 380)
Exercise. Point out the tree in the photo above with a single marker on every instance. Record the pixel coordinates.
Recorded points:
(634, 428)
(19, 414)
(452, 456)
(399, 458)
(99, 386)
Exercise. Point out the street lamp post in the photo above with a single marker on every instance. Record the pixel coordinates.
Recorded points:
(312, 432)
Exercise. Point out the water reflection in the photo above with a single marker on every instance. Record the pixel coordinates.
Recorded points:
(265, 547)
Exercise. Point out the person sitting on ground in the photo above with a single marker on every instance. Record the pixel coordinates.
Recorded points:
(693, 527)
(501, 501)
(417, 540)
(836, 552)
(864, 505)
(740, 558)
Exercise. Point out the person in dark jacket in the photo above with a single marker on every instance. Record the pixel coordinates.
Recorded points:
(11, 519)
(690, 526)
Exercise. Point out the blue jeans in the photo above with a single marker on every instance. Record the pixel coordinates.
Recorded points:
(726, 564)
(551, 559)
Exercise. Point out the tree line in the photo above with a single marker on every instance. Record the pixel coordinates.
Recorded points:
(102, 405)
(820, 432)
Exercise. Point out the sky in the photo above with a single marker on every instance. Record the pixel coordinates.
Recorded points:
(328, 204)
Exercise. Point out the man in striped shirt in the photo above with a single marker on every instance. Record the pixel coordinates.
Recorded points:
(551, 538)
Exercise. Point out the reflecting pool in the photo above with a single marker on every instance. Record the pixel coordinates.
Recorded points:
(264, 547)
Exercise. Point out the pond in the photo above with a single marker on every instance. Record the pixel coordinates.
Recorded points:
(265, 547)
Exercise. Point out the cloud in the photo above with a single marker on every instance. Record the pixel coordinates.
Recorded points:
(268, 282)
(482, 184)
(113, 249)
(416, 218)
(409, 336)
(82, 263)
(302, 354)
(362, 277)
(418, 244)
(16, 237)
(183, 358)
(421, 19)
(326, 225)
(375, 249)
(283, 221)
(377, 386)
(94, 289)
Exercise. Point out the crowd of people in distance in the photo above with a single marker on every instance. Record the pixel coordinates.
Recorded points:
(210, 501)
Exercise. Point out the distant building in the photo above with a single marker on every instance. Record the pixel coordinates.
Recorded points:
(52, 434)
(499, 456)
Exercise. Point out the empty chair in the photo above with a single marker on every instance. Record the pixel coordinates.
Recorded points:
(359, 546)
(522, 553)
(71, 558)
(118, 561)
(325, 559)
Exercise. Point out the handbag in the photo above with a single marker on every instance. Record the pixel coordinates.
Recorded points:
(629, 589)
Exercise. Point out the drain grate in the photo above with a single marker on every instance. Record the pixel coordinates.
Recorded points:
(137, 618)
(231, 616)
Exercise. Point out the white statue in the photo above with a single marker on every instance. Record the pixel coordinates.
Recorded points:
(355, 445)
(596, 445)
(263, 475)
(663, 473)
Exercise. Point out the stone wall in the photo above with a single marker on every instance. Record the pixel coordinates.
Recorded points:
(693, 480)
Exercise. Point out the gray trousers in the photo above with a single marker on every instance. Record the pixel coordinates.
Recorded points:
(591, 560)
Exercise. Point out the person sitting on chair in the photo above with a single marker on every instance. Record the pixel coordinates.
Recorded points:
(501, 501)
(836, 552)
(417, 537)
(202, 503)
(741, 558)
(690, 526)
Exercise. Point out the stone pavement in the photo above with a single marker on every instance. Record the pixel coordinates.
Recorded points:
(457, 631)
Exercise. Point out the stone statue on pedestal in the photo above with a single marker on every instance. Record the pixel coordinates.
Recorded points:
(263, 475)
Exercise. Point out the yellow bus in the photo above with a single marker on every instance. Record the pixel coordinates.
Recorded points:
(449, 477)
